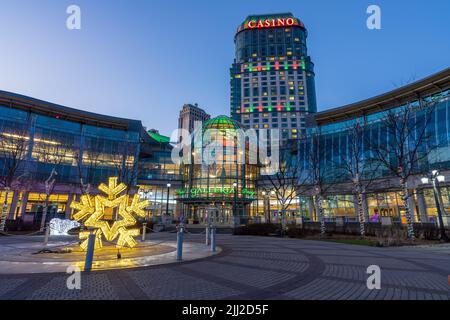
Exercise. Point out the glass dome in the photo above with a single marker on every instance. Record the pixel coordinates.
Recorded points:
(221, 123)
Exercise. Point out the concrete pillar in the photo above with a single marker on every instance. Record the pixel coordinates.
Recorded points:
(311, 208)
(12, 208)
(68, 209)
(422, 206)
(23, 207)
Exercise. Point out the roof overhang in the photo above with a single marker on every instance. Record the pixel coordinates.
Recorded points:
(433, 84)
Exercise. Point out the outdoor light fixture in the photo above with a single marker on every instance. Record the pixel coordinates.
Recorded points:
(167, 199)
(435, 178)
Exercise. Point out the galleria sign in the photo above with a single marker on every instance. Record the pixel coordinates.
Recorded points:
(272, 23)
(225, 191)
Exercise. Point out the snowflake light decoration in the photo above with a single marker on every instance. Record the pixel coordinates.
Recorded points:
(92, 210)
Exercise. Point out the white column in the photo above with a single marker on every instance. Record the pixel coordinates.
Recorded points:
(311, 208)
(422, 206)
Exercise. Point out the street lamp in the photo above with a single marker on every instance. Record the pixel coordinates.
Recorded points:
(435, 179)
(167, 200)
(235, 199)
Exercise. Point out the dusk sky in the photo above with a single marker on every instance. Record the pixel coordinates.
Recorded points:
(143, 59)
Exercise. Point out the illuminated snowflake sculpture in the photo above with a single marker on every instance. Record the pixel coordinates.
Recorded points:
(92, 210)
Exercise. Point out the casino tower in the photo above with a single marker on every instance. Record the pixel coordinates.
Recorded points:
(272, 77)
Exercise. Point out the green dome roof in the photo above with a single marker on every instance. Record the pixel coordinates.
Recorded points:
(221, 122)
(158, 138)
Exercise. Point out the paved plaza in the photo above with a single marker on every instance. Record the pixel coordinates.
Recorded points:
(257, 268)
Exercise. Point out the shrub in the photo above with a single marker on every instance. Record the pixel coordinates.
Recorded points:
(296, 232)
(258, 229)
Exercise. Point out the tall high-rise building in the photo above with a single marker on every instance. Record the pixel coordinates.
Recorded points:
(189, 114)
(272, 77)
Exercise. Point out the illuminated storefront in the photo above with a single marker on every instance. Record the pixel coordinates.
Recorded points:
(226, 187)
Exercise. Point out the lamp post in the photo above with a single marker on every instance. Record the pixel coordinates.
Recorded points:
(435, 179)
(235, 199)
(167, 200)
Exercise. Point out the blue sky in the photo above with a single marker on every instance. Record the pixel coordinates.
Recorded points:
(143, 59)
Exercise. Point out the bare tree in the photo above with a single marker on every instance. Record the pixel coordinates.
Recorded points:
(321, 175)
(357, 165)
(404, 147)
(284, 182)
(52, 155)
(13, 149)
(87, 162)
(125, 164)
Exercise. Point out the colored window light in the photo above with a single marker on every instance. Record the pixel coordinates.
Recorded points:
(260, 109)
(286, 66)
(277, 65)
(270, 109)
(279, 108)
(268, 66)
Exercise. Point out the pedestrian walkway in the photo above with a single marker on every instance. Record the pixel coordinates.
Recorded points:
(258, 268)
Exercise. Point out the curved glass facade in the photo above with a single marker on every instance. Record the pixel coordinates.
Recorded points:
(32, 145)
(430, 114)
(226, 180)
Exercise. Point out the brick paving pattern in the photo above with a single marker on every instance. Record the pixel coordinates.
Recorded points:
(258, 268)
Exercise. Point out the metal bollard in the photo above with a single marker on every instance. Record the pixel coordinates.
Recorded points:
(47, 234)
(208, 235)
(213, 239)
(89, 253)
(180, 236)
(144, 231)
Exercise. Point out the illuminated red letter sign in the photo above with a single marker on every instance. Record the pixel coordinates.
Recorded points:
(281, 22)
(252, 24)
(271, 23)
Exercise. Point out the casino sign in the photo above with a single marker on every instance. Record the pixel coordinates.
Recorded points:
(276, 22)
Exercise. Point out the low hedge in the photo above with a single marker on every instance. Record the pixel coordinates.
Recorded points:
(258, 229)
